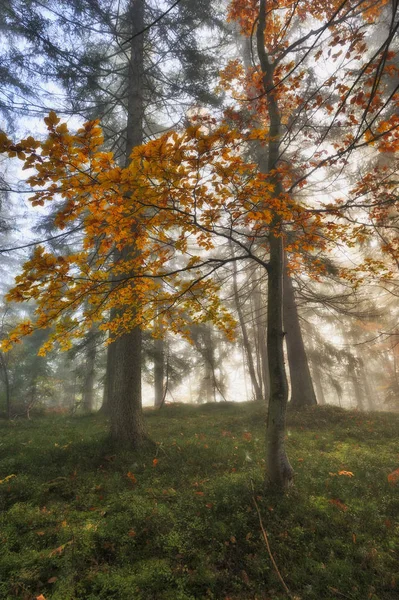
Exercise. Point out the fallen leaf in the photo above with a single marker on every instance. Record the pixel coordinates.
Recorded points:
(7, 478)
(339, 504)
(131, 477)
(155, 462)
(52, 580)
(392, 477)
(346, 473)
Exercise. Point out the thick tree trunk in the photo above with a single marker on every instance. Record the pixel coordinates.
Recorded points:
(302, 391)
(88, 382)
(279, 470)
(124, 384)
(127, 426)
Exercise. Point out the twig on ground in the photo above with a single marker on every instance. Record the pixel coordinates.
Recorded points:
(266, 540)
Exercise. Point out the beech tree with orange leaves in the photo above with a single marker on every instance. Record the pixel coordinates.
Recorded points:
(196, 188)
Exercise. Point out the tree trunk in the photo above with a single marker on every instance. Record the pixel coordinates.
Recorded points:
(257, 390)
(88, 382)
(302, 391)
(127, 426)
(261, 341)
(279, 470)
(209, 381)
(159, 371)
(317, 381)
(370, 397)
(354, 376)
(265, 366)
(124, 383)
(108, 381)
(7, 386)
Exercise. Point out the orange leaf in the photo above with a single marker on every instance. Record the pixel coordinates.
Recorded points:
(155, 462)
(132, 477)
(394, 476)
(339, 505)
(41, 597)
(346, 473)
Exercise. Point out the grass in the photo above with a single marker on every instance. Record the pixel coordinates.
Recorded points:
(79, 522)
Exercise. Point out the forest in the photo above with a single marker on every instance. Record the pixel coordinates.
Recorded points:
(199, 346)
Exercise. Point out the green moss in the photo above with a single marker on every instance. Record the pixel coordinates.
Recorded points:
(74, 526)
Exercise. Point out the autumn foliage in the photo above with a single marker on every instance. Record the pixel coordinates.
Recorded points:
(170, 212)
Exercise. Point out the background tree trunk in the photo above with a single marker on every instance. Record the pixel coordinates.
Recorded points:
(256, 388)
(7, 385)
(88, 382)
(302, 391)
(317, 381)
(159, 371)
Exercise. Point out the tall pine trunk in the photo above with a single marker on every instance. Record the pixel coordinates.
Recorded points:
(124, 372)
(302, 391)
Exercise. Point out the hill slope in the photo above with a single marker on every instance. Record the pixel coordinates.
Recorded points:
(179, 522)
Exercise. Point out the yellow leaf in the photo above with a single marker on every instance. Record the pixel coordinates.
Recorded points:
(7, 478)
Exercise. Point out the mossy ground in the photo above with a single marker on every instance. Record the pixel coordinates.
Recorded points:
(82, 522)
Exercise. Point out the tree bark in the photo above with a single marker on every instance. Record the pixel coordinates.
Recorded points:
(108, 381)
(302, 391)
(256, 388)
(279, 470)
(88, 382)
(262, 367)
(318, 384)
(159, 371)
(124, 383)
(357, 389)
(7, 385)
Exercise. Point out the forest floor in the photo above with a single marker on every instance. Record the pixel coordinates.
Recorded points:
(179, 522)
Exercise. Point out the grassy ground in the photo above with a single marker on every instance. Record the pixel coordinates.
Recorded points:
(179, 523)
